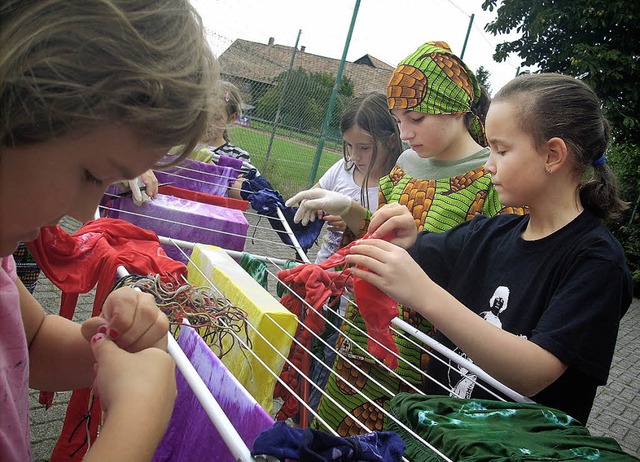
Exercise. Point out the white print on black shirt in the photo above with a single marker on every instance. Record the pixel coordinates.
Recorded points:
(464, 387)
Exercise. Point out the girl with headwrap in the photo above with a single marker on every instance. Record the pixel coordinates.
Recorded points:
(441, 179)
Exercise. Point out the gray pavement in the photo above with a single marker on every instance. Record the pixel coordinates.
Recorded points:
(616, 411)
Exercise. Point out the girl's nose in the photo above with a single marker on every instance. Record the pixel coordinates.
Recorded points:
(405, 132)
(489, 165)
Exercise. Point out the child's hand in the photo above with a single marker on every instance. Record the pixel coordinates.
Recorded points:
(131, 319)
(335, 223)
(133, 384)
(314, 199)
(391, 269)
(394, 223)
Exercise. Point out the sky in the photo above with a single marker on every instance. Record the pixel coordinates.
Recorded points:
(387, 30)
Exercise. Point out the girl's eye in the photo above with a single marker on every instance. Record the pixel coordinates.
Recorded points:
(89, 178)
(417, 119)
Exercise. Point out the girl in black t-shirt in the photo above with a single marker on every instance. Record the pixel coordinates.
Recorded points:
(552, 284)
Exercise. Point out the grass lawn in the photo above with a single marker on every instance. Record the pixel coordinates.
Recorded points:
(290, 161)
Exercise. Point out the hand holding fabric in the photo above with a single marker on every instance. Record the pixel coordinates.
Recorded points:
(335, 223)
(394, 223)
(391, 269)
(317, 199)
(134, 389)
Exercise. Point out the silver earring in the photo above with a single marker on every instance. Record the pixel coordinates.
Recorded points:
(548, 169)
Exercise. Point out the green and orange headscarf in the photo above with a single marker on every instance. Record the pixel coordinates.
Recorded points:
(435, 81)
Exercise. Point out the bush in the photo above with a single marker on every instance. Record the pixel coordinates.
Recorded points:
(624, 159)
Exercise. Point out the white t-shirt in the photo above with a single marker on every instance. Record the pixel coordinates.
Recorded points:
(340, 180)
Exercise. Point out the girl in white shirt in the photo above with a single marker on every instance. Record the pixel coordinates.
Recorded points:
(371, 147)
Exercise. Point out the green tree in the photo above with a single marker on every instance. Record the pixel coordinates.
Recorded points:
(590, 39)
(305, 100)
(483, 76)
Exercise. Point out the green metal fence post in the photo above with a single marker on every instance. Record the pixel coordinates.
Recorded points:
(466, 39)
(332, 101)
(281, 102)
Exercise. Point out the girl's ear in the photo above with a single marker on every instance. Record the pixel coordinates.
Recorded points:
(557, 153)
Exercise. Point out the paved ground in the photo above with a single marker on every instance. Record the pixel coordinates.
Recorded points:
(616, 412)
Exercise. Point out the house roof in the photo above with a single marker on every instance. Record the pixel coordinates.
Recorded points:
(264, 62)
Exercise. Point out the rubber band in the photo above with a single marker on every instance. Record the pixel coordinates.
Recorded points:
(599, 161)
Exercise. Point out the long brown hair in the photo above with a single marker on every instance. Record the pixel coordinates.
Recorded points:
(370, 113)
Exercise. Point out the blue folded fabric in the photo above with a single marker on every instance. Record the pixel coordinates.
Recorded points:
(285, 442)
(265, 200)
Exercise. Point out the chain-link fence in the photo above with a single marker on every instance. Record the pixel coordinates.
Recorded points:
(287, 93)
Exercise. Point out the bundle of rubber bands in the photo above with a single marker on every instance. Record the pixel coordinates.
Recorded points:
(217, 320)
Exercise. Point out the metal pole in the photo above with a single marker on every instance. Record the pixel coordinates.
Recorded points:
(466, 39)
(281, 101)
(332, 100)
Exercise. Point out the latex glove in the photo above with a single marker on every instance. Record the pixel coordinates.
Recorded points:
(143, 188)
(150, 182)
(139, 195)
(317, 199)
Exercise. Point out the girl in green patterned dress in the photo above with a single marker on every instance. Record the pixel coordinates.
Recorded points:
(441, 179)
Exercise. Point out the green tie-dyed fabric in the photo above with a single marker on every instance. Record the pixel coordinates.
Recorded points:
(477, 430)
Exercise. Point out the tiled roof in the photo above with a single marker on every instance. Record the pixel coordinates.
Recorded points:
(264, 62)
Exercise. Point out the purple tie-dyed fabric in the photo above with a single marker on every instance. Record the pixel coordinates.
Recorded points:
(186, 220)
(203, 177)
(191, 435)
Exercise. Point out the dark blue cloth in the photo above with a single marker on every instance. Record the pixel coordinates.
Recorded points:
(265, 200)
(285, 442)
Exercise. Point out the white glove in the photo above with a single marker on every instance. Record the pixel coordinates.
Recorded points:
(138, 193)
(317, 199)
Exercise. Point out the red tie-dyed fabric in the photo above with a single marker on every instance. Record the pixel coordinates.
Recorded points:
(315, 285)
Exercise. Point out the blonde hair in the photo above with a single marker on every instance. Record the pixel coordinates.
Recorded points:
(232, 98)
(74, 65)
(228, 101)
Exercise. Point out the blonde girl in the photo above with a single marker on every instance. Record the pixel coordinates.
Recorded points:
(91, 92)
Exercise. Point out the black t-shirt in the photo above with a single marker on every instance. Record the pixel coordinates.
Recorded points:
(566, 292)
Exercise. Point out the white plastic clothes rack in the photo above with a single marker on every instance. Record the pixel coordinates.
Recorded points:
(275, 265)
(270, 250)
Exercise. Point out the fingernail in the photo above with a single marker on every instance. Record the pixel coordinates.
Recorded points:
(102, 329)
(97, 338)
(112, 333)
